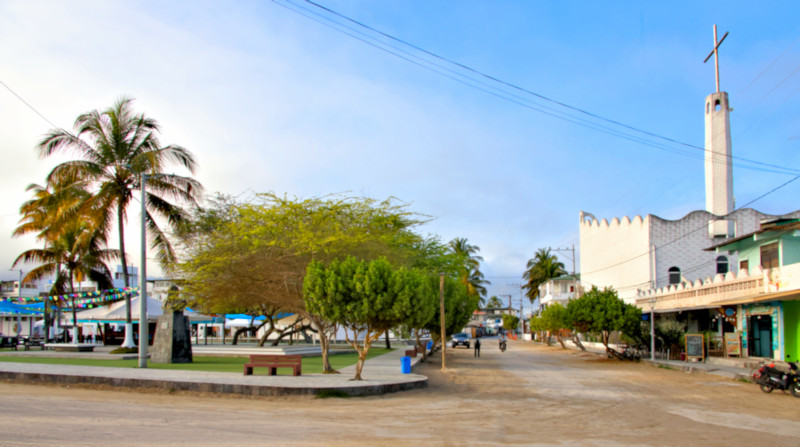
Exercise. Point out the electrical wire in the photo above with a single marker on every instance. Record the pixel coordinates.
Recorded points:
(492, 87)
(28, 104)
(704, 226)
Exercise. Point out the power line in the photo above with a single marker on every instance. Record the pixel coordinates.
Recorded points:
(768, 67)
(436, 66)
(693, 231)
(27, 104)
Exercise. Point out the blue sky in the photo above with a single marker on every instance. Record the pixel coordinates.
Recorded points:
(270, 100)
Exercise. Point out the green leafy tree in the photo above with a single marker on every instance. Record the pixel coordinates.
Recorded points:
(670, 333)
(366, 298)
(601, 312)
(540, 269)
(115, 147)
(554, 320)
(458, 308)
(253, 255)
(510, 322)
(538, 327)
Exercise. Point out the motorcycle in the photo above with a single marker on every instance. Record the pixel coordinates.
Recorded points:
(770, 378)
(502, 345)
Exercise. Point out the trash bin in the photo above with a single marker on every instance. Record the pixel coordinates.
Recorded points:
(405, 363)
(429, 345)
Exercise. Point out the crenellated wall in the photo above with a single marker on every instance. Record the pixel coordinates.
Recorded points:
(611, 253)
(633, 254)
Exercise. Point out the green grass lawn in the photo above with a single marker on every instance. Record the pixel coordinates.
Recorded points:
(311, 365)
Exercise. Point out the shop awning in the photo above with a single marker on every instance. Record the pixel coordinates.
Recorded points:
(788, 295)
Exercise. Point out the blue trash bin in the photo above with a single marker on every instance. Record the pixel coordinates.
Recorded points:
(405, 363)
(430, 345)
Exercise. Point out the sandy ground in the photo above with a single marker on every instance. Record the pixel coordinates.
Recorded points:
(528, 395)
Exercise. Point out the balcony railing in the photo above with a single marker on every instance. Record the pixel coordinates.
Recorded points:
(720, 289)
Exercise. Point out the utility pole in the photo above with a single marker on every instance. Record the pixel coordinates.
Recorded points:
(441, 319)
(568, 249)
(144, 329)
(521, 317)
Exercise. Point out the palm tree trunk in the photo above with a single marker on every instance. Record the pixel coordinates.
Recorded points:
(74, 318)
(128, 343)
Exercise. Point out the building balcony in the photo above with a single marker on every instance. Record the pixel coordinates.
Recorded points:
(724, 290)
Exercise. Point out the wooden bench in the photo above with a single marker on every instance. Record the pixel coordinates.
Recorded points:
(273, 362)
(28, 343)
(411, 352)
(9, 342)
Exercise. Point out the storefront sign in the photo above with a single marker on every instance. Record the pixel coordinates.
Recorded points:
(694, 347)
(733, 345)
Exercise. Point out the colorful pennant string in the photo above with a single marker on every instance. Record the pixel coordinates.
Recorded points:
(83, 299)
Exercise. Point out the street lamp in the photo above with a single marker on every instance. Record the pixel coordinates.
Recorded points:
(441, 319)
(19, 299)
(143, 322)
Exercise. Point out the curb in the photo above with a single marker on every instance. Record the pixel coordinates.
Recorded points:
(210, 387)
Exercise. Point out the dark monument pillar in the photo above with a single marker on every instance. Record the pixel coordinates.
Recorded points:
(173, 343)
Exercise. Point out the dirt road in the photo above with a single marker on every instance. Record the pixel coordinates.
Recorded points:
(529, 395)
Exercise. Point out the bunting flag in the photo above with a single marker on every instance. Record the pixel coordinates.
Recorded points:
(84, 299)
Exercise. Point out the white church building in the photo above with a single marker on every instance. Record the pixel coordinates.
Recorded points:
(649, 252)
(652, 262)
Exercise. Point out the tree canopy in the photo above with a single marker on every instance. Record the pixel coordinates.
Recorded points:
(469, 266)
(458, 307)
(602, 312)
(252, 256)
(367, 298)
(115, 148)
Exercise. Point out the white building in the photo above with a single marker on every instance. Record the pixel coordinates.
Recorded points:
(651, 252)
(119, 277)
(10, 289)
(559, 290)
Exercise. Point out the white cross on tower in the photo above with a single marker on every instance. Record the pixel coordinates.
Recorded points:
(714, 52)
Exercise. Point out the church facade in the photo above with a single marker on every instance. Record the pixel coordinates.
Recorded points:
(685, 270)
(651, 252)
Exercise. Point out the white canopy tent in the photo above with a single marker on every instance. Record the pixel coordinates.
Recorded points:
(115, 312)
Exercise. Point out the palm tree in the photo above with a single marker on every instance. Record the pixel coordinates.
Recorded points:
(541, 268)
(116, 147)
(471, 275)
(77, 247)
(494, 302)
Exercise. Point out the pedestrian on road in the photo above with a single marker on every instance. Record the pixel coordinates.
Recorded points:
(477, 347)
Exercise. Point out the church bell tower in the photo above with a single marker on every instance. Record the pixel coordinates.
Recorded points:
(718, 166)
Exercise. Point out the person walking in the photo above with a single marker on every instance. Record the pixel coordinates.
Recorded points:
(477, 347)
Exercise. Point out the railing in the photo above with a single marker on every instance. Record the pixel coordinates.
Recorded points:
(720, 288)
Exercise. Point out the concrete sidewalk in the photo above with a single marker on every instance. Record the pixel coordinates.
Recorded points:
(729, 371)
(381, 375)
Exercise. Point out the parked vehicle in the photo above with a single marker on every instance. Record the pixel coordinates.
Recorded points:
(460, 339)
(770, 378)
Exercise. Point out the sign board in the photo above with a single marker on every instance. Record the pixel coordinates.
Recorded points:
(733, 345)
(694, 347)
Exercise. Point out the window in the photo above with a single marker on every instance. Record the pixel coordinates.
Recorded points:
(674, 275)
(744, 265)
(769, 256)
(563, 288)
(722, 265)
